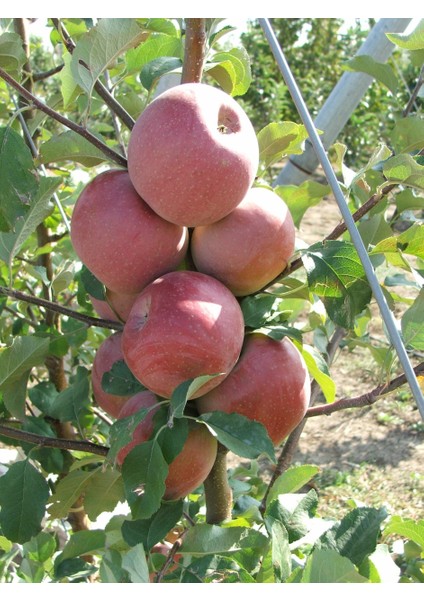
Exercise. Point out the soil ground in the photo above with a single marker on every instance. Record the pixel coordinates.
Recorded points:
(373, 456)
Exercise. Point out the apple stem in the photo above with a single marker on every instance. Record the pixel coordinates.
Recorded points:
(218, 494)
(194, 51)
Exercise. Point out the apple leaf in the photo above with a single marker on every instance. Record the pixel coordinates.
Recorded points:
(151, 531)
(231, 70)
(413, 324)
(327, 566)
(97, 49)
(408, 200)
(153, 70)
(409, 41)
(292, 480)
(318, 370)
(18, 182)
(120, 381)
(335, 273)
(135, 563)
(280, 549)
(24, 493)
(25, 352)
(382, 72)
(301, 197)
(92, 285)
(70, 403)
(407, 528)
(121, 431)
(403, 168)
(70, 146)
(239, 434)
(12, 54)
(408, 134)
(157, 45)
(144, 471)
(277, 140)
(103, 492)
(356, 535)
(67, 491)
(184, 392)
(83, 542)
(409, 242)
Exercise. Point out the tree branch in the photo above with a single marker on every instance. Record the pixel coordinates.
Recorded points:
(46, 74)
(103, 92)
(82, 131)
(364, 399)
(58, 308)
(194, 51)
(49, 442)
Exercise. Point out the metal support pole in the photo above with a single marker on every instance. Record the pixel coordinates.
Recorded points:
(342, 101)
(386, 313)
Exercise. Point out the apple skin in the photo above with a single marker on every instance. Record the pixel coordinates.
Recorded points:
(144, 429)
(193, 154)
(191, 466)
(183, 325)
(120, 239)
(269, 384)
(249, 247)
(106, 355)
(115, 307)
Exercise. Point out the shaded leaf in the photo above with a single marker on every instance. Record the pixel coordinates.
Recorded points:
(103, 492)
(120, 381)
(408, 134)
(70, 146)
(403, 168)
(327, 566)
(23, 497)
(12, 54)
(67, 492)
(153, 70)
(413, 323)
(24, 353)
(184, 392)
(202, 539)
(318, 370)
(151, 531)
(83, 542)
(239, 434)
(135, 563)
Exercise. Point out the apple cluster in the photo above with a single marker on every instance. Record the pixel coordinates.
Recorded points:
(177, 240)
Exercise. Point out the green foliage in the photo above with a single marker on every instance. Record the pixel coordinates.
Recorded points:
(275, 532)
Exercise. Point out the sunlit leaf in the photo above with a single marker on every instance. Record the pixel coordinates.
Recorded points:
(382, 72)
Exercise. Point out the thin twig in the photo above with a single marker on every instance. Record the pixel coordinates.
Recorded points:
(194, 51)
(82, 131)
(364, 399)
(46, 74)
(50, 442)
(58, 308)
(103, 92)
(414, 94)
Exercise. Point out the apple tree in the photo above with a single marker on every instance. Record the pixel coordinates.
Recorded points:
(159, 311)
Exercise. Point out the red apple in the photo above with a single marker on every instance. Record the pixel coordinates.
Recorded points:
(193, 464)
(190, 468)
(183, 325)
(193, 154)
(120, 239)
(107, 354)
(269, 384)
(144, 429)
(248, 248)
(115, 307)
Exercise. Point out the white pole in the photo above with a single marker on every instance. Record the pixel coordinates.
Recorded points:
(342, 101)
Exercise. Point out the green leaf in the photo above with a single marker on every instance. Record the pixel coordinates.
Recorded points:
(413, 323)
(301, 197)
(17, 359)
(120, 381)
(156, 46)
(41, 547)
(96, 50)
(277, 140)
(84, 542)
(258, 310)
(335, 273)
(409, 242)
(403, 168)
(407, 528)
(67, 491)
(280, 549)
(408, 134)
(72, 401)
(203, 539)
(184, 391)
(122, 430)
(380, 567)
(327, 566)
(295, 512)
(103, 492)
(382, 72)
(239, 434)
(18, 182)
(151, 531)
(12, 54)
(70, 146)
(144, 472)
(91, 284)
(23, 497)
(40, 208)
(231, 70)
(14, 395)
(153, 70)
(135, 563)
(410, 41)
(318, 370)
(356, 535)
(292, 480)
(69, 88)
(408, 200)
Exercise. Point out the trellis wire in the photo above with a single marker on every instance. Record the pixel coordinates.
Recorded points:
(386, 313)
